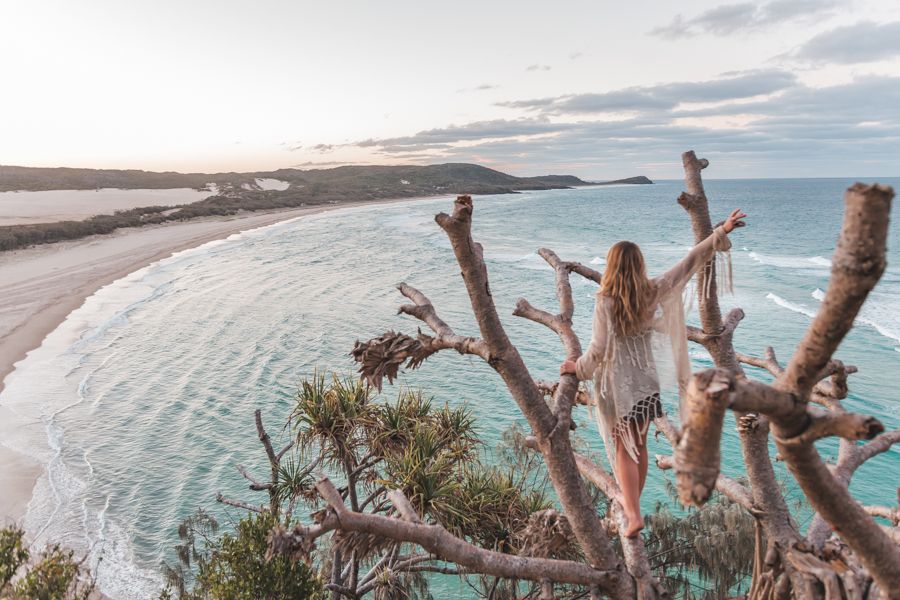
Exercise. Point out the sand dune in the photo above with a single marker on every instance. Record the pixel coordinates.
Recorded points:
(24, 208)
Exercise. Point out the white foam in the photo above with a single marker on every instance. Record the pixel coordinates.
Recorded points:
(790, 262)
(53, 378)
(797, 308)
(598, 261)
(879, 312)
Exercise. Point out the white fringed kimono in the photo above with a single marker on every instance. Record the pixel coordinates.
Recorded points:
(624, 369)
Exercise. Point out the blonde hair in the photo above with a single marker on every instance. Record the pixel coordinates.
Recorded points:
(626, 283)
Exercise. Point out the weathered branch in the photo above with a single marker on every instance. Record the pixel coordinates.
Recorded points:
(849, 426)
(548, 388)
(769, 362)
(668, 429)
(238, 504)
(880, 444)
(713, 391)
(552, 432)
(778, 524)
(850, 457)
(255, 485)
(703, 412)
(695, 203)
(525, 310)
(730, 488)
(284, 450)
(584, 271)
(732, 320)
(264, 438)
(436, 540)
(857, 265)
(885, 512)
(565, 395)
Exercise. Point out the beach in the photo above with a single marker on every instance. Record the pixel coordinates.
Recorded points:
(43, 284)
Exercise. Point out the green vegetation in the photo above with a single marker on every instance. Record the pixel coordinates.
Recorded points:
(54, 574)
(499, 500)
(237, 192)
(704, 555)
(234, 565)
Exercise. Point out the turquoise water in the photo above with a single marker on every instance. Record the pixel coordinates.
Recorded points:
(142, 402)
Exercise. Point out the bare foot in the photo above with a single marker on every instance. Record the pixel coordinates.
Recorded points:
(635, 525)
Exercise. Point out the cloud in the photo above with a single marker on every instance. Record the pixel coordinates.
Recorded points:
(478, 88)
(664, 96)
(862, 42)
(848, 129)
(479, 130)
(575, 55)
(727, 19)
(537, 67)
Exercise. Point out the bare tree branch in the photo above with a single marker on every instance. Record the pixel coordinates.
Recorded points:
(730, 488)
(238, 504)
(436, 540)
(255, 485)
(857, 265)
(552, 433)
(779, 526)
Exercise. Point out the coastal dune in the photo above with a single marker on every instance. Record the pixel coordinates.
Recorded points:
(47, 206)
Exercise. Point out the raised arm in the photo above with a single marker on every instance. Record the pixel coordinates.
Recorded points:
(676, 277)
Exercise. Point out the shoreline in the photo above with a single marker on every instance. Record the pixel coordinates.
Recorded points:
(46, 283)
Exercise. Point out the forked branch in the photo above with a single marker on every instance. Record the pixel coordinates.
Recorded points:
(436, 540)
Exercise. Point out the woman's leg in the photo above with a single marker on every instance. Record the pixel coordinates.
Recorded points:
(629, 477)
(642, 457)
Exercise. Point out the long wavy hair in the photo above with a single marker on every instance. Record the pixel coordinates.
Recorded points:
(625, 281)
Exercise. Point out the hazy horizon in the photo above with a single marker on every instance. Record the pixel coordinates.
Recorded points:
(586, 178)
(773, 88)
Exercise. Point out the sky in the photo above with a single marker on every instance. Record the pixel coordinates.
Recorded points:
(777, 88)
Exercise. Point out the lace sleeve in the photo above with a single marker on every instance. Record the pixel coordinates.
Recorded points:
(590, 360)
(678, 276)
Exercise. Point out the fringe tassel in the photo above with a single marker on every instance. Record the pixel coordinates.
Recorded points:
(623, 433)
(724, 276)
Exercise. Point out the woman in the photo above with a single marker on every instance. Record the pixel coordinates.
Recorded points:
(620, 358)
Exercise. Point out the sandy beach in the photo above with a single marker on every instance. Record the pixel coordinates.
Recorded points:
(43, 284)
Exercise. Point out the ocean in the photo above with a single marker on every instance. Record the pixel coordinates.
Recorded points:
(141, 403)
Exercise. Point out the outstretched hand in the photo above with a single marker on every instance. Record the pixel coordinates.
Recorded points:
(567, 368)
(734, 220)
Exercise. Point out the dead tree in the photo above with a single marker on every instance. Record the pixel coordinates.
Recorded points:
(863, 561)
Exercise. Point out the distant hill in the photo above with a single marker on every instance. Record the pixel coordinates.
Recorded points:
(408, 180)
(639, 180)
(236, 192)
